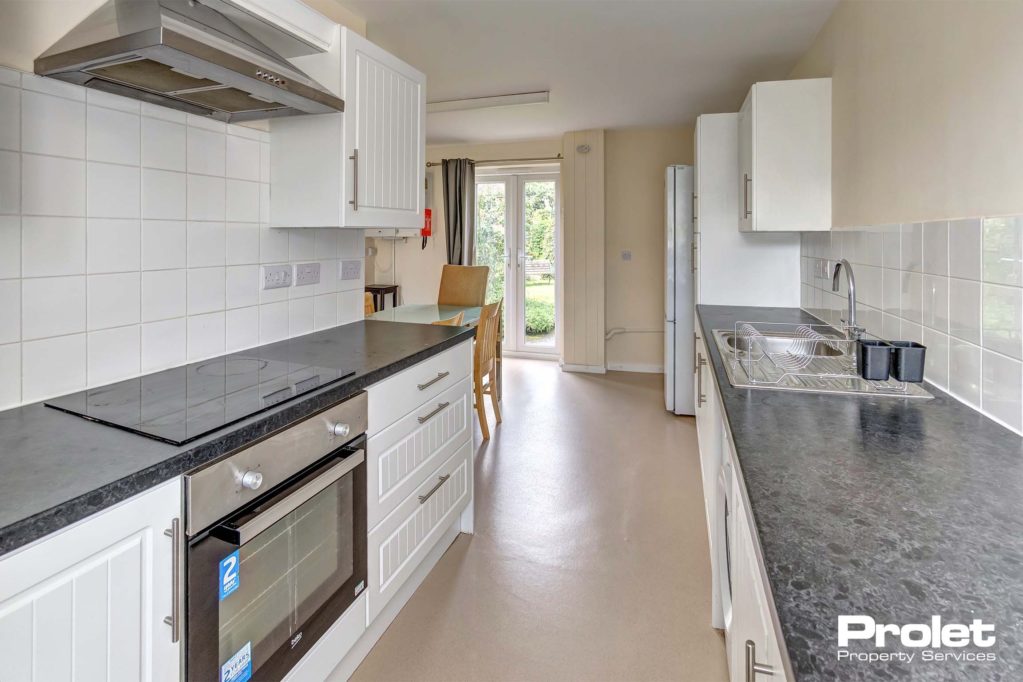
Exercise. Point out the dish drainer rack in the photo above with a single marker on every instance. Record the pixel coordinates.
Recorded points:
(809, 357)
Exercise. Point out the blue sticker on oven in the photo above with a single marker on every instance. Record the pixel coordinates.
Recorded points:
(230, 578)
(239, 667)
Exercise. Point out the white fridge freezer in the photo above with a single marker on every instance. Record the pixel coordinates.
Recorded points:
(679, 316)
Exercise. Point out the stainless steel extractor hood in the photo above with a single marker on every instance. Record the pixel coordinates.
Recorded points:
(184, 55)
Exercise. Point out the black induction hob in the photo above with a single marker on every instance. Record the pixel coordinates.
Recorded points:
(182, 404)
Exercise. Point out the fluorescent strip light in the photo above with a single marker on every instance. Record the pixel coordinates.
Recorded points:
(489, 102)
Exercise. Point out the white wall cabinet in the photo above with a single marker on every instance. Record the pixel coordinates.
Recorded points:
(385, 137)
(89, 602)
(727, 260)
(364, 168)
(784, 155)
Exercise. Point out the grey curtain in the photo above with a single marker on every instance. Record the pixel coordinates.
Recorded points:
(460, 210)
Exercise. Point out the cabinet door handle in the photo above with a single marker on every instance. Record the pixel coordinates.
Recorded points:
(701, 397)
(174, 620)
(752, 667)
(426, 417)
(440, 481)
(746, 180)
(431, 382)
(354, 201)
(696, 363)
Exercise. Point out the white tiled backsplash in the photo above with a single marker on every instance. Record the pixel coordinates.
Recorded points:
(954, 286)
(131, 239)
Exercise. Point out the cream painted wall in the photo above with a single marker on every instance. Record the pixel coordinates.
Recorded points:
(28, 27)
(634, 198)
(927, 96)
(416, 270)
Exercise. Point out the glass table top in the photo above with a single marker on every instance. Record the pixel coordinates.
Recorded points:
(427, 313)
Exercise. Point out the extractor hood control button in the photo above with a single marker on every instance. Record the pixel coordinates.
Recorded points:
(252, 480)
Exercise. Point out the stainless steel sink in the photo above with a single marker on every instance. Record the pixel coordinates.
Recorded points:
(793, 358)
(775, 342)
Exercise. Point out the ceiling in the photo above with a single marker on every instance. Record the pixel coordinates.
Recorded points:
(607, 64)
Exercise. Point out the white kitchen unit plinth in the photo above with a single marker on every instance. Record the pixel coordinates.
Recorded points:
(784, 176)
(89, 602)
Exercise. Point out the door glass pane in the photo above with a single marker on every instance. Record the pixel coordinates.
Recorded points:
(491, 215)
(539, 222)
(287, 572)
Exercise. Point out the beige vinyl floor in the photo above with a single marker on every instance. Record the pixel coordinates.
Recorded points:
(590, 557)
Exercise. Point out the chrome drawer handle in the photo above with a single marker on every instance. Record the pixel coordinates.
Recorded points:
(746, 180)
(752, 667)
(354, 201)
(425, 418)
(174, 620)
(701, 397)
(431, 382)
(435, 488)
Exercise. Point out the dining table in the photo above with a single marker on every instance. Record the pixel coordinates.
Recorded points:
(428, 313)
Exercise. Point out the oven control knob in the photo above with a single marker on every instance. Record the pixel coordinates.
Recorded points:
(341, 430)
(252, 480)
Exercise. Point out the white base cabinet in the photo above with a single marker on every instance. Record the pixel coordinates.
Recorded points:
(708, 434)
(751, 630)
(402, 540)
(752, 642)
(419, 475)
(89, 602)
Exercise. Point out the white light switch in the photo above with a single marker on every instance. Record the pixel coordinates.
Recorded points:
(351, 269)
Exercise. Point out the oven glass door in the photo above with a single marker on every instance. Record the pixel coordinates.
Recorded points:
(265, 584)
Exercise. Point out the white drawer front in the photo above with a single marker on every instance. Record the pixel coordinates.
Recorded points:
(403, 455)
(396, 396)
(398, 544)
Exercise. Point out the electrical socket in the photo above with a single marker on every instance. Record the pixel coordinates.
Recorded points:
(306, 274)
(276, 276)
(351, 269)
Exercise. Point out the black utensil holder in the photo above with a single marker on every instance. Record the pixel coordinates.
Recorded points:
(874, 359)
(908, 361)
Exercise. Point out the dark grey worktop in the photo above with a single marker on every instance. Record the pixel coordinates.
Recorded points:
(58, 468)
(894, 508)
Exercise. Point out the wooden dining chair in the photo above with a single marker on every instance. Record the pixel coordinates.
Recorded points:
(484, 363)
(456, 321)
(463, 285)
(367, 304)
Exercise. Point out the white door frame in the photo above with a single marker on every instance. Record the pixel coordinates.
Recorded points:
(515, 275)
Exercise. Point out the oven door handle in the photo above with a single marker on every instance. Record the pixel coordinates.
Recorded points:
(288, 502)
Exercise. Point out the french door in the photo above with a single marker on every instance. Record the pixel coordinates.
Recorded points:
(517, 225)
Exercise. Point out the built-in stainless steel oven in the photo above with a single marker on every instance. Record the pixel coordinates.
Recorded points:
(276, 546)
